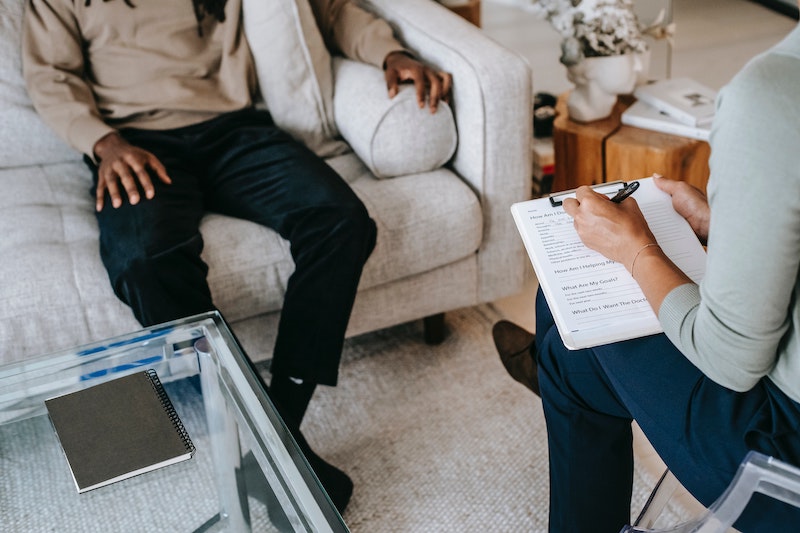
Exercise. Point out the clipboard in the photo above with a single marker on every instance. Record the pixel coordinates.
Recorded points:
(593, 299)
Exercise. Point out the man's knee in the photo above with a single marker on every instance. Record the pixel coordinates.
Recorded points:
(351, 224)
(161, 285)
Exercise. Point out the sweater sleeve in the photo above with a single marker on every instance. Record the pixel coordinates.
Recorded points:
(54, 70)
(733, 325)
(354, 32)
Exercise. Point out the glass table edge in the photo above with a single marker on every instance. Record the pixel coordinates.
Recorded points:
(212, 325)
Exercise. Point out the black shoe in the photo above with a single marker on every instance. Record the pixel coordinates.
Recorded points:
(517, 351)
(336, 483)
(291, 400)
(259, 488)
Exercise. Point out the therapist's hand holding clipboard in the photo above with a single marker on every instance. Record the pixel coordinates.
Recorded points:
(593, 297)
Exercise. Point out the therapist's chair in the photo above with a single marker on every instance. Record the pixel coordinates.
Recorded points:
(757, 473)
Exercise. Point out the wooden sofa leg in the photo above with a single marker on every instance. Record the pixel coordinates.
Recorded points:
(434, 328)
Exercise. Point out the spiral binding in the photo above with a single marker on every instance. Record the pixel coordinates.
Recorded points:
(170, 409)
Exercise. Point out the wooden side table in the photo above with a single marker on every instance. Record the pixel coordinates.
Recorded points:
(605, 150)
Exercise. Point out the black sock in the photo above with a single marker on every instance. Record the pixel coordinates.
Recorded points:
(291, 399)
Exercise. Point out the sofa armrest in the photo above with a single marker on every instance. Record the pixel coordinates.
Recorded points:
(492, 102)
(392, 136)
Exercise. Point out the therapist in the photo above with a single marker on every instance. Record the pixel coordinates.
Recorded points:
(724, 379)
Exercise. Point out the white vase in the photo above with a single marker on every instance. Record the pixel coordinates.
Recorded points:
(599, 80)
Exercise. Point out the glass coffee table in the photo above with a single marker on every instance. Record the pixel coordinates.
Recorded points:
(247, 473)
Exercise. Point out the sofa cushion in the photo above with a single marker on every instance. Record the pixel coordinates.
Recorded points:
(393, 136)
(293, 67)
(24, 138)
(424, 221)
(55, 291)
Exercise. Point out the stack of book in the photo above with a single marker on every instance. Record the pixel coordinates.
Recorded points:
(678, 106)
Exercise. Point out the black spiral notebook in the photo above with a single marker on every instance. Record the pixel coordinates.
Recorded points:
(118, 429)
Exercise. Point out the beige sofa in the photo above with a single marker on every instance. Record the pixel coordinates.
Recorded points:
(445, 236)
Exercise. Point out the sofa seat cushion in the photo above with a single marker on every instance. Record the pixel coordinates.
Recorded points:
(424, 220)
(55, 293)
(415, 215)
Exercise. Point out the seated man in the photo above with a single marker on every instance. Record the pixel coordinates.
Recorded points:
(724, 378)
(159, 98)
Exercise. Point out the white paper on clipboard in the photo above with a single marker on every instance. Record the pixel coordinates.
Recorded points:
(595, 300)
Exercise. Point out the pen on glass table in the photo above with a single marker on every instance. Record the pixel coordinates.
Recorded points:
(625, 192)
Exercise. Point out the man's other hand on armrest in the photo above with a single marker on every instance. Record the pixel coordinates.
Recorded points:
(430, 84)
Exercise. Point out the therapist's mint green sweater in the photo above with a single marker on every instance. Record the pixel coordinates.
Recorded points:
(743, 322)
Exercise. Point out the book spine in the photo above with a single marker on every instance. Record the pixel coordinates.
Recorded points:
(673, 111)
(681, 130)
(166, 403)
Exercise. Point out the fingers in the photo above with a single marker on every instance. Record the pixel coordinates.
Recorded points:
(128, 182)
(144, 180)
(672, 186)
(429, 84)
(666, 185)
(685, 197)
(412, 71)
(392, 82)
(436, 91)
(590, 201)
(447, 85)
(100, 193)
(421, 85)
(439, 85)
(159, 169)
(130, 173)
(108, 182)
(570, 206)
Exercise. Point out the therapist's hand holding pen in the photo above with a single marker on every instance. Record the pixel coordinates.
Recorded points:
(619, 231)
(615, 228)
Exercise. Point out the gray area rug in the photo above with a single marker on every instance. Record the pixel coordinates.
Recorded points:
(37, 492)
(437, 438)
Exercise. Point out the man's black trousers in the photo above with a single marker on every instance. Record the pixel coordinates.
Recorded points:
(240, 164)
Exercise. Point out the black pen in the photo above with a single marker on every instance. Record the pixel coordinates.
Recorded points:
(625, 192)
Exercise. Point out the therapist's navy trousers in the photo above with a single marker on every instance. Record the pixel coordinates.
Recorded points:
(700, 429)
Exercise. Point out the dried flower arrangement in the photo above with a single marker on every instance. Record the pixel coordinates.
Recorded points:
(592, 28)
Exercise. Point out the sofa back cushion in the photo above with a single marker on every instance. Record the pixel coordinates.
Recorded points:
(294, 71)
(24, 138)
(316, 99)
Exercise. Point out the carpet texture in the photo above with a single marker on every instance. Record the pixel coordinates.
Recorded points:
(437, 438)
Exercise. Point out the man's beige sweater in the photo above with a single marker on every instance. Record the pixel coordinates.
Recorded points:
(93, 69)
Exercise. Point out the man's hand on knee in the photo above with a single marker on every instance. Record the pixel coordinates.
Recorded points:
(126, 166)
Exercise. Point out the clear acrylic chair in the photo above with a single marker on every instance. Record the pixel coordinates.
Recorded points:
(756, 473)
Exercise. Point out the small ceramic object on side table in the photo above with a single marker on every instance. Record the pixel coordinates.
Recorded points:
(599, 80)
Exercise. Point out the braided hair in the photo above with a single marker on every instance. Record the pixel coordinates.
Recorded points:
(214, 8)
